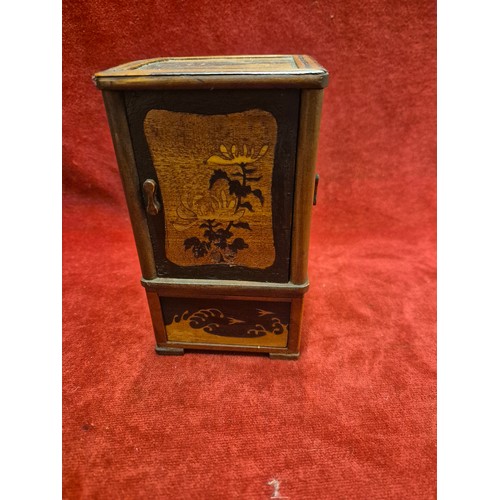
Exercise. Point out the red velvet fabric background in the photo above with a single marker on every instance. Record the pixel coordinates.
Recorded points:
(354, 418)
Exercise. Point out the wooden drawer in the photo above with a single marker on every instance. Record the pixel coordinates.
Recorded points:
(226, 322)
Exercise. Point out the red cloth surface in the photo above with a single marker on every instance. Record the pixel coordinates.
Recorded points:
(354, 418)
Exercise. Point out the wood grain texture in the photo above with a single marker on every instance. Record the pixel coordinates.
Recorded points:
(216, 184)
(310, 116)
(268, 71)
(118, 124)
(159, 160)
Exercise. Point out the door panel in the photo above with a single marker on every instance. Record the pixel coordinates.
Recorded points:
(224, 164)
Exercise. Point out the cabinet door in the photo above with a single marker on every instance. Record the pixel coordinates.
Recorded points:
(219, 168)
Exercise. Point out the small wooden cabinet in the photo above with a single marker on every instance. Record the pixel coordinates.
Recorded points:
(217, 159)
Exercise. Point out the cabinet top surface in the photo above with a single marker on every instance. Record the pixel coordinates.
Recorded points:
(264, 71)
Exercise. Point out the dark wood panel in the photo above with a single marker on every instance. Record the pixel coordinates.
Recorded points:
(283, 105)
(229, 322)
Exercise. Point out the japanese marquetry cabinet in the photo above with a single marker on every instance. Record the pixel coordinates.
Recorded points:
(217, 159)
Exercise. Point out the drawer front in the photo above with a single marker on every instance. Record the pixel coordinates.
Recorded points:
(223, 165)
(226, 322)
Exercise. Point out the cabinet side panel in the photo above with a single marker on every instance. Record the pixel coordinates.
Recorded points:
(310, 116)
(117, 118)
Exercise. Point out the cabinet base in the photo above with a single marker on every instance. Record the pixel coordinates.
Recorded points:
(179, 351)
(291, 356)
(266, 326)
(169, 351)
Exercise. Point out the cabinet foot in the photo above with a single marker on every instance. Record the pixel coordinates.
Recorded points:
(169, 351)
(279, 355)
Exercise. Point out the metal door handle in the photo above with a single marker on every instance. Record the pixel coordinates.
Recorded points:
(316, 182)
(149, 188)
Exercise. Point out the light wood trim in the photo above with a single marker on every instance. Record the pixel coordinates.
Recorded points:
(307, 80)
(242, 64)
(157, 317)
(118, 124)
(299, 62)
(200, 337)
(294, 328)
(310, 116)
(225, 347)
(176, 287)
(310, 62)
(204, 295)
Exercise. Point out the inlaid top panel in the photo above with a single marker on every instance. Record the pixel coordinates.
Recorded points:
(299, 71)
(236, 64)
